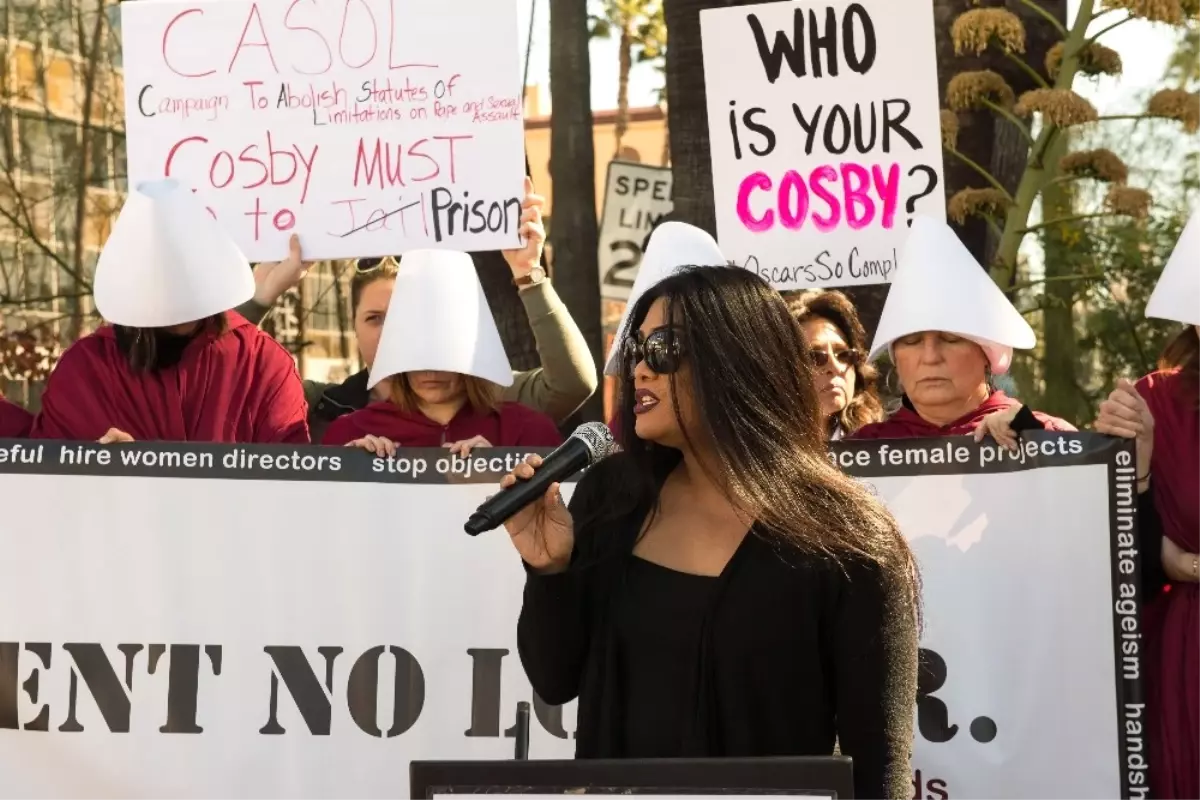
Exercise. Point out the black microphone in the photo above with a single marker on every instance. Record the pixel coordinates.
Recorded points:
(591, 442)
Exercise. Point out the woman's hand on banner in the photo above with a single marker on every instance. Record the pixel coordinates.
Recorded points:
(380, 446)
(1126, 414)
(114, 436)
(998, 425)
(273, 278)
(543, 532)
(465, 447)
(522, 260)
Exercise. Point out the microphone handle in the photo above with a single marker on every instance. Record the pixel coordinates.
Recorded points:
(564, 462)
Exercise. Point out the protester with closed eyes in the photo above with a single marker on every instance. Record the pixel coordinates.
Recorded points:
(838, 346)
(949, 329)
(567, 375)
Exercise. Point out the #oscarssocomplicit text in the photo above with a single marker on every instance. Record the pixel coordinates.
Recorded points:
(868, 191)
(314, 459)
(379, 165)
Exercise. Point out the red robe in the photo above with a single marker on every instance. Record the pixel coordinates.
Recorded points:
(908, 424)
(1173, 637)
(237, 388)
(14, 420)
(512, 425)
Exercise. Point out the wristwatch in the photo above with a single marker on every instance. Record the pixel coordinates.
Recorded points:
(531, 278)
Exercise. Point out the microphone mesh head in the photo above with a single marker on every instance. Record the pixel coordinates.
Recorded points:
(598, 438)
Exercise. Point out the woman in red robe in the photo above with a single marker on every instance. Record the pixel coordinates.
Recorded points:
(1162, 412)
(949, 329)
(442, 367)
(174, 364)
(14, 420)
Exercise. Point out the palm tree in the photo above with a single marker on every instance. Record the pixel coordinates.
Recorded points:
(642, 36)
(573, 172)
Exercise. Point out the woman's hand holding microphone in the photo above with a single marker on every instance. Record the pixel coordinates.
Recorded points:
(543, 532)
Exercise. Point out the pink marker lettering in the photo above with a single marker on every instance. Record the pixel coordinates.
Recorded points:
(856, 185)
(888, 189)
(793, 200)
(816, 182)
(757, 180)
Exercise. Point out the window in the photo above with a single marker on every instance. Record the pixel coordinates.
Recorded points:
(64, 150)
(12, 280)
(7, 154)
(113, 11)
(99, 173)
(39, 277)
(120, 162)
(65, 201)
(26, 19)
(60, 25)
(33, 141)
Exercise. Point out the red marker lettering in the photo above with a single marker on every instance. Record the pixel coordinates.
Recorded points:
(451, 140)
(328, 53)
(253, 16)
(342, 35)
(171, 153)
(166, 35)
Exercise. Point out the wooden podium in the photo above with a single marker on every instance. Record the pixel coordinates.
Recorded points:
(821, 776)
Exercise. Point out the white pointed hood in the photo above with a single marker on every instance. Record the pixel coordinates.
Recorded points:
(438, 319)
(940, 287)
(167, 261)
(1177, 294)
(672, 245)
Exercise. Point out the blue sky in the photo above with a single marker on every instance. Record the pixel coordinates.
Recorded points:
(1144, 46)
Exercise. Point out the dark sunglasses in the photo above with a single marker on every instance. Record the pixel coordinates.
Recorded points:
(661, 351)
(370, 264)
(847, 358)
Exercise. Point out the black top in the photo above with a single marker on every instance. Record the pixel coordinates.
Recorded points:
(791, 653)
(658, 625)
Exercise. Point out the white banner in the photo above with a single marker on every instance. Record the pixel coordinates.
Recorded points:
(826, 135)
(369, 128)
(635, 196)
(217, 621)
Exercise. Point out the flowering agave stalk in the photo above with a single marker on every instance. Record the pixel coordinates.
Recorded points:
(1059, 108)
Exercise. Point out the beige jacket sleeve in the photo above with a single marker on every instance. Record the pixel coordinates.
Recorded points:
(567, 376)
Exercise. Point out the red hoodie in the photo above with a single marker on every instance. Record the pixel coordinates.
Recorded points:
(512, 425)
(14, 420)
(908, 424)
(240, 387)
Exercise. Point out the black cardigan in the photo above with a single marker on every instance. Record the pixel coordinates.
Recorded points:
(797, 653)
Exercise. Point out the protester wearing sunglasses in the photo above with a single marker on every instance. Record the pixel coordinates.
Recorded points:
(718, 588)
(837, 345)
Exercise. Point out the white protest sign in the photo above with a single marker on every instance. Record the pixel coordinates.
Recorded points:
(635, 196)
(825, 136)
(369, 127)
(320, 619)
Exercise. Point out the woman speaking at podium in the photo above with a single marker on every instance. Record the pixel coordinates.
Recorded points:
(719, 589)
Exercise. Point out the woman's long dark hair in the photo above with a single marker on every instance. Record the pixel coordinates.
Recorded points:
(1183, 353)
(762, 423)
(154, 349)
(836, 309)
